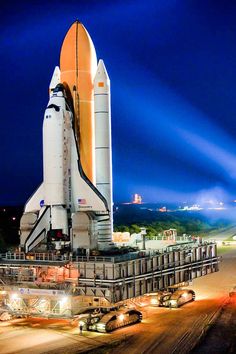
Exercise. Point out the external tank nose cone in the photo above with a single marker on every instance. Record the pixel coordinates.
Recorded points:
(77, 54)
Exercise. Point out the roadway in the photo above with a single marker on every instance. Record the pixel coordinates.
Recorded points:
(161, 331)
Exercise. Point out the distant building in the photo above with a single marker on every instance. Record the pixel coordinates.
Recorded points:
(170, 234)
(163, 209)
(121, 237)
(137, 199)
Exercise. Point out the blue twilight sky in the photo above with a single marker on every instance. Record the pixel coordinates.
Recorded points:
(172, 65)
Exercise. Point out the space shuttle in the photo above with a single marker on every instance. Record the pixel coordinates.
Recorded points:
(72, 208)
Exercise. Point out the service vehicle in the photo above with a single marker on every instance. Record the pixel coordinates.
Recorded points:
(181, 297)
(117, 319)
(163, 298)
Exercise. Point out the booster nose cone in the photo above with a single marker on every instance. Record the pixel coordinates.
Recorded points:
(101, 80)
(101, 70)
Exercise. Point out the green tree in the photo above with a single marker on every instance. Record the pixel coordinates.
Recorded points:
(134, 229)
(121, 228)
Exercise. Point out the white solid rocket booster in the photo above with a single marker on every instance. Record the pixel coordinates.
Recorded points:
(53, 162)
(103, 159)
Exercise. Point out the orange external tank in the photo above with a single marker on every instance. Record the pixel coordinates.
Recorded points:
(78, 63)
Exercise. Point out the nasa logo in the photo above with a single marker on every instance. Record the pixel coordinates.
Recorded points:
(41, 203)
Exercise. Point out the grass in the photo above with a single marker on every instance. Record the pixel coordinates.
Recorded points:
(224, 249)
(230, 238)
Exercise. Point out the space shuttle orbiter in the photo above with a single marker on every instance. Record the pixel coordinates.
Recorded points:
(72, 208)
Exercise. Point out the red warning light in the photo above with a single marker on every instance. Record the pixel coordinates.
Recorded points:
(59, 234)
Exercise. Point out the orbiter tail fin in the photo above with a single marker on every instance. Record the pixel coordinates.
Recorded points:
(39, 231)
(35, 201)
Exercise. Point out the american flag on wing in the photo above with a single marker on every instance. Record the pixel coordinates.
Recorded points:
(82, 201)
